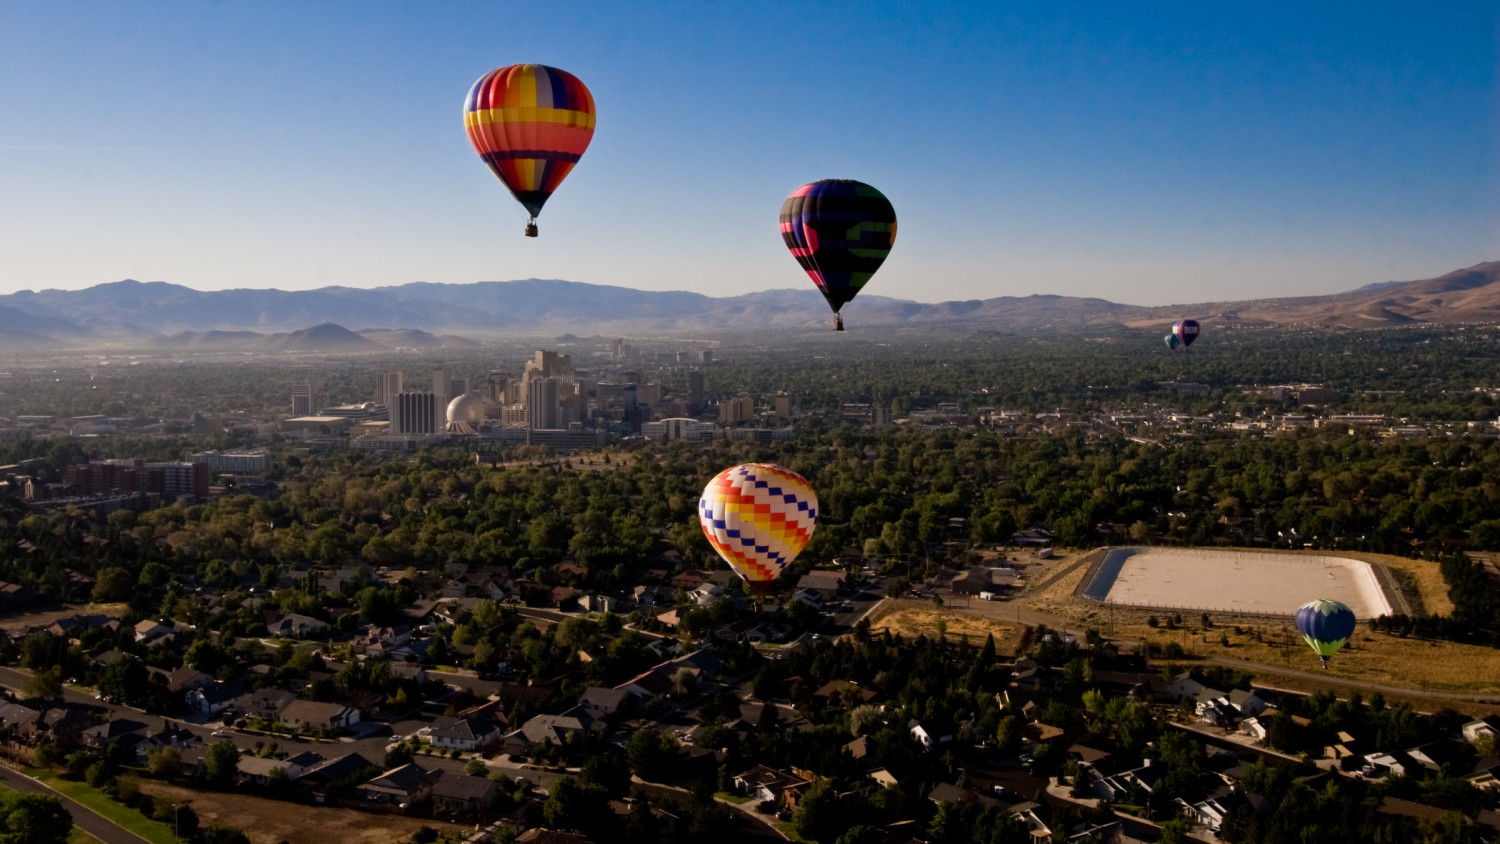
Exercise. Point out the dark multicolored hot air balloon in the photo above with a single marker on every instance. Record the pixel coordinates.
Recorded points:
(1185, 330)
(1326, 625)
(759, 517)
(530, 123)
(840, 231)
(1171, 341)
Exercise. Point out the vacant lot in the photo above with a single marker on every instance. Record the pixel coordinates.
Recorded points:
(271, 821)
(1417, 664)
(912, 620)
(17, 622)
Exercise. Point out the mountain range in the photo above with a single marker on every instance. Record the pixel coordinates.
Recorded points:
(426, 315)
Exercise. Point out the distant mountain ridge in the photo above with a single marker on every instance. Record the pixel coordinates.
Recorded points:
(428, 315)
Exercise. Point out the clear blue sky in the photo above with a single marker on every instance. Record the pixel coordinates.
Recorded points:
(1144, 153)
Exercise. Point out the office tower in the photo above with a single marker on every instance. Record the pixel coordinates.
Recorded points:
(541, 403)
(499, 388)
(414, 413)
(695, 390)
(440, 384)
(302, 402)
(736, 410)
(388, 382)
(782, 404)
(617, 350)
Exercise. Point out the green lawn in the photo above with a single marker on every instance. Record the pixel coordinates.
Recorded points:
(791, 832)
(737, 799)
(100, 802)
(77, 836)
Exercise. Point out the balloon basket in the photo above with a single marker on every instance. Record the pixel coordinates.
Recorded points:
(838, 322)
(531, 228)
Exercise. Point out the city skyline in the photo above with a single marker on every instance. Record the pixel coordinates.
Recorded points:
(1170, 155)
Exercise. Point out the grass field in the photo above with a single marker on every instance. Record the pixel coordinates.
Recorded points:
(100, 802)
(267, 821)
(77, 836)
(1416, 664)
(912, 621)
(1411, 663)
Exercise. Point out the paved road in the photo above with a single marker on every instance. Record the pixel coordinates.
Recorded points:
(84, 818)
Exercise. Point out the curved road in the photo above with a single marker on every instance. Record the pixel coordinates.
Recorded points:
(84, 818)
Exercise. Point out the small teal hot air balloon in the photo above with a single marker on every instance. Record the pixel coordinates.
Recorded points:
(1171, 341)
(1326, 625)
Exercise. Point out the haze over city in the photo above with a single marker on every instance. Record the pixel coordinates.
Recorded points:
(1149, 156)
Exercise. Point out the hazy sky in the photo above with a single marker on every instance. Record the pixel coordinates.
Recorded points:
(1144, 153)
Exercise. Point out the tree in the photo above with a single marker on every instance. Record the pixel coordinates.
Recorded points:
(47, 685)
(124, 680)
(650, 754)
(221, 763)
(33, 819)
(112, 584)
(817, 817)
(164, 762)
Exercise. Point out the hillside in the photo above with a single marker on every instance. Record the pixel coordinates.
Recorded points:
(426, 315)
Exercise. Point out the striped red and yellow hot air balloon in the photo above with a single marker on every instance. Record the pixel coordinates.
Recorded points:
(759, 517)
(530, 123)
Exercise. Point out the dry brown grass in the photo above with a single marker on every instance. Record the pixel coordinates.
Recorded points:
(911, 620)
(49, 616)
(270, 821)
(1410, 663)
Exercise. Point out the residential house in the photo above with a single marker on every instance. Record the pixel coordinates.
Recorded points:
(706, 593)
(1489, 725)
(338, 769)
(401, 786)
(767, 784)
(215, 699)
(256, 770)
(460, 794)
(828, 584)
(928, 739)
(465, 734)
(149, 631)
(185, 679)
(316, 715)
(601, 703)
(121, 731)
(265, 704)
(297, 626)
(544, 729)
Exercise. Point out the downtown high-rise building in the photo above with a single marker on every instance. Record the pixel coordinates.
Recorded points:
(388, 382)
(541, 403)
(414, 413)
(302, 400)
(440, 384)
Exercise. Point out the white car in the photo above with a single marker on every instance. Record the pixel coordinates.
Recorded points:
(220, 734)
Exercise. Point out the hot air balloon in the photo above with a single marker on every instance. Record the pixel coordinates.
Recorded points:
(1185, 330)
(1326, 625)
(1171, 341)
(759, 517)
(840, 231)
(530, 123)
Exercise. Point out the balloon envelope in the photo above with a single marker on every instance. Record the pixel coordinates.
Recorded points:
(840, 231)
(1185, 330)
(1326, 625)
(1171, 341)
(759, 517)
(530, 123)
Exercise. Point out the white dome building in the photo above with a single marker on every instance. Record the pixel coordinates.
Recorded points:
(465, 414)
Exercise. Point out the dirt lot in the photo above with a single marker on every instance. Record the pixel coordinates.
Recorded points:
(44, 618)
(911, 619)
(271, 821)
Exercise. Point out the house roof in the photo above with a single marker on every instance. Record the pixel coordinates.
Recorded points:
(307, 711)
(408, 778)
(460, 729)
(463, 787)
(340, 767)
